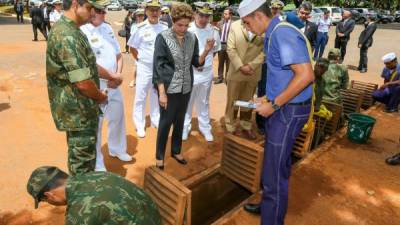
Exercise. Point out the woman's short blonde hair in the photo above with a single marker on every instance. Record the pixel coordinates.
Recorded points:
(181, 11)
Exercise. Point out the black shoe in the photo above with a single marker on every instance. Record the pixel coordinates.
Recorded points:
(391, 110)
(218, 81)
(35, 40)
(253, 208)
(181, 161)
(394, 160)
(160, 165)
(363, 70)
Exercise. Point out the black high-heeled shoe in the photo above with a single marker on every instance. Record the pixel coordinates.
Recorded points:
(181, 161)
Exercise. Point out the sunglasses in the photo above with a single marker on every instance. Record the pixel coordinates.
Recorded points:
(99, 11)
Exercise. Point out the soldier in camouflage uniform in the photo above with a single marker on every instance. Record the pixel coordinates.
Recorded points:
(93, 198)
(320, 68)
(335, 79)
(72, 81)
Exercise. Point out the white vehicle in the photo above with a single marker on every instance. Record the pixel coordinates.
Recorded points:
(336, 13)
(316, 15)
(114, 6)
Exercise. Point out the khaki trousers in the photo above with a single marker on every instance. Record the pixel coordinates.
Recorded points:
(239, 90)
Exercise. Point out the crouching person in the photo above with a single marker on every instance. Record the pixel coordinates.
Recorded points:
(93, 198)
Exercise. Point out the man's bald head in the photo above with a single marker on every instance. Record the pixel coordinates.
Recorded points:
(346, 14)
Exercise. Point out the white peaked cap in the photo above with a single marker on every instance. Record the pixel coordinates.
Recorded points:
(248, 6)
(389, 57)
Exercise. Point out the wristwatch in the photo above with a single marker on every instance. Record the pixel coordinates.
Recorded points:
(275, 106)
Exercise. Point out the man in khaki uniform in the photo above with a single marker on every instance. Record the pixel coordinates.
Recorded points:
(246, 53)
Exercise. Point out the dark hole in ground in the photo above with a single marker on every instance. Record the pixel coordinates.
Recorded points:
(214, 197)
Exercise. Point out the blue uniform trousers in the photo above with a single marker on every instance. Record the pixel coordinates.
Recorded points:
(322, 40)
(282, 129)
(389, 96)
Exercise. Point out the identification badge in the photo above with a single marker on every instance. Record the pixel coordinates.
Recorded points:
(244, 104)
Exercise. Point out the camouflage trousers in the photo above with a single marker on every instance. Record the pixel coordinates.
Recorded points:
(81, 151)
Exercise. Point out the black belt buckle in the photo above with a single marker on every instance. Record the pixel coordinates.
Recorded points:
(306, 102)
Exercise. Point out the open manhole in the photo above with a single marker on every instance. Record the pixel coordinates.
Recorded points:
(207, 197)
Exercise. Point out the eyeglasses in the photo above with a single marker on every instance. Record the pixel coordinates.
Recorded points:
(99, 11)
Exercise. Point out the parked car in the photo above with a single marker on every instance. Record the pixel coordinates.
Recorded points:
(33, 2)
(316, 15)
(130, 4)
(360, 18)
(397, 16)
(6, 2)
(384, 16)
(366, 13)
(114, 6)
(336, 13)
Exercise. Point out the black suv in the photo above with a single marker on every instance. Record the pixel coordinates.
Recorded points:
(383, 16)
(357, 16)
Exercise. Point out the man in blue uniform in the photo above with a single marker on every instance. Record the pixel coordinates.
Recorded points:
(389, 92)
(289, 78)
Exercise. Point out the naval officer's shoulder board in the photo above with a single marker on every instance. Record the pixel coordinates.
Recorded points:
(163, 23)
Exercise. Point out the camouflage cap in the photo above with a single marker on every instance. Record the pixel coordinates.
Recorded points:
(99, 4)
(39, 179)
(334, 52)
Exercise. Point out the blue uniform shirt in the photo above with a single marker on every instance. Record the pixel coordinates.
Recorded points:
(287, 47)
(386, 74)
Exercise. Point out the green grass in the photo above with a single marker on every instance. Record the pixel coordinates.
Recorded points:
(289, 7)
(7, 9)
(10, 9)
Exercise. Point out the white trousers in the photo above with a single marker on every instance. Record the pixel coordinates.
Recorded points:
(116, 133)
(199, 98)
(144, 85)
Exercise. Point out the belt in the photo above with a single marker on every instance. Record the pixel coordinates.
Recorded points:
(223, 43)
(306, 102)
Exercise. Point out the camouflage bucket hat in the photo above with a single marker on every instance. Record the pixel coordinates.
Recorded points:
(39, 179)
(334, 52)
(99, 4)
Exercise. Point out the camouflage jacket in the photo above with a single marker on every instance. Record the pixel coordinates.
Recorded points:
(96, 198)
(69, 59)
(336, 78)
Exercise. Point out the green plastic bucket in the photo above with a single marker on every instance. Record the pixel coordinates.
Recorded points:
(360, 127)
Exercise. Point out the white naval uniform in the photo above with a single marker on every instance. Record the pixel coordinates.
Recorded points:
(54, 16)
(106, 48)
(202, 80)
(143, 40)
